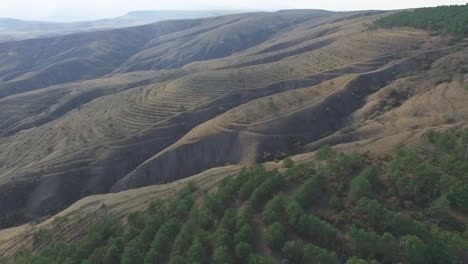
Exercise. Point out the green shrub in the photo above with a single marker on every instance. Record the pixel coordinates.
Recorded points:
(359, 187)
(345, 166)
(161, 241)
(414, 250)
(114, 251)
(221, 256)
(243, 250)
(265, 191)
(293, 251)
(245, 234)
(288, 162)
(133, 252)
(258, 259)
(326, 153)
(294, 213)
(364, 242)
(274, 209)
(356, 260)
(458, 197)
(318, 230)
(335, 202)
(245, 216)
(368, 244)
(310, 190)
(314, 254)
(255, 176)
(196, 252)
(276, 236)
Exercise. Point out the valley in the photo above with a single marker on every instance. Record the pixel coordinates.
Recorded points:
(105, 123)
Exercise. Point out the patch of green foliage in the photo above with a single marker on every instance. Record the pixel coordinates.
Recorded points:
(451, 20)
(288, 162)
(343, 209)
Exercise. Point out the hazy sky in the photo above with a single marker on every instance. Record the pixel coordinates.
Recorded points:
(69, 10)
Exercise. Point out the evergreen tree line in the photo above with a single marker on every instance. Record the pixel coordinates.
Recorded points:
(450, 20)
(341, 208)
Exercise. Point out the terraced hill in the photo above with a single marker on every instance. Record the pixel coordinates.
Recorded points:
(101, 112)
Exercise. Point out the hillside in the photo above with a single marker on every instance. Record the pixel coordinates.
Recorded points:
(15, 29)
(334, 208)
(168, 142)
(451, 20)
(98, 112)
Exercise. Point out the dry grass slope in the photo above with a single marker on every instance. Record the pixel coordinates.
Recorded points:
(153, 104)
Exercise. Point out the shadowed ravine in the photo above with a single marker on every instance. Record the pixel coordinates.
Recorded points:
(98, 112)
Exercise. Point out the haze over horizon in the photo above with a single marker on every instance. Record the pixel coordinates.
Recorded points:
(68, 10)
(191, 132)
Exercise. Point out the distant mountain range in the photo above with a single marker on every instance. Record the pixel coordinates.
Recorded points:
(14, 29)
(107, 126)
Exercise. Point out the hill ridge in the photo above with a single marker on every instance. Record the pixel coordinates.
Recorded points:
(206, 94)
